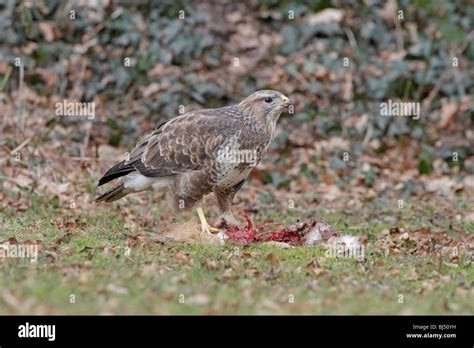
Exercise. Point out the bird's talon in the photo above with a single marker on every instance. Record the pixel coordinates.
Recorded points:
(211, 231)
(214, 229)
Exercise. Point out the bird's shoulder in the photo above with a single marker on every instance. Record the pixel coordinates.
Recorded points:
(185, 142)
(224, 116)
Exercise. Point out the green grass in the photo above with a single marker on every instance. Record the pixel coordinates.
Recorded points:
(90, 261)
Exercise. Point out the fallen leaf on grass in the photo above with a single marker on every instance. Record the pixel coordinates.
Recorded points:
(116, 289)
(212, 265)
(181, 257)
(379, 262)
(12, 301)
(448, 110)
(411, 274)
(132, 241)
(469, 217)
(12, 240)
(394, 272)
(315, 268)
(229, 274)
(272, 257)
(61, 239)
(51, 255)
(198, 299)
(68, 224)
(441, 185)
(54, 188)
(21, 180)
(48, 30)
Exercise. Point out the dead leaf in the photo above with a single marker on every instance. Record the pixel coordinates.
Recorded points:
(47, 28)
(12, 240)
(411, 274)
(325, 16)
(116, 289)
(21, 180)
(448, 110)
(198, 299)
(318, 271)
(378, 262)
(389, 11)
(151, 89)
(181, 257)
(212, 265)
(272, 257)
(441, 185)
(53, 256)
(394, 273)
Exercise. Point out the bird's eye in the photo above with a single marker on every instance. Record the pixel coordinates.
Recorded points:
(268, 100)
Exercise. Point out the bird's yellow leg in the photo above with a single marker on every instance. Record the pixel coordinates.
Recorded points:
(204, 225)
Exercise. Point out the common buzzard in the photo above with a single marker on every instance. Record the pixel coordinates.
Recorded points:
(200, 152)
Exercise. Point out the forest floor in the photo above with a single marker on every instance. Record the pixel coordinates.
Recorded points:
(96, 261)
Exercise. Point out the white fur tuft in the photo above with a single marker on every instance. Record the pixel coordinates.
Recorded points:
(138, 182)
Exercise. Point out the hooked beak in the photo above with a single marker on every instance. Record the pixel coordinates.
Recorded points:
(286, 103)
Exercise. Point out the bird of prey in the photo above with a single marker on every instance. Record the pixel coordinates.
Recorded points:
(201, 152)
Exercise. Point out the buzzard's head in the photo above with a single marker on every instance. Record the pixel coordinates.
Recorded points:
(267, 104)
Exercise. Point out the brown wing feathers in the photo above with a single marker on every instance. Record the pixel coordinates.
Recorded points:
(180, 145)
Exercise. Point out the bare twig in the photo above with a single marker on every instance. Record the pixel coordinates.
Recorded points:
(21, 109)
(398, 32)
(368, 135)
(19, 147)
(350, 37)
(86, 139)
